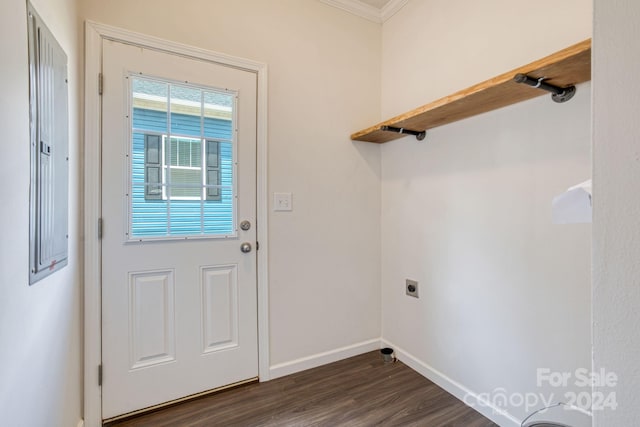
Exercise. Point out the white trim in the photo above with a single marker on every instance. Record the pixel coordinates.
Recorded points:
(152, 42)
(80, 423)
(366, 11)
(315, 360)
(357, 8)
(262, 206)
(462, 393)
(94, 35)
(392, 8)
(92, 304)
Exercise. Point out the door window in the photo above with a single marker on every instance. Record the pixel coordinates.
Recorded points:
(182, 160)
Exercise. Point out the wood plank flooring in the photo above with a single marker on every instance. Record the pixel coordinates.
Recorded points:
(359, 391)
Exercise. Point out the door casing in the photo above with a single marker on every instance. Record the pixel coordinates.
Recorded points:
(94, 35)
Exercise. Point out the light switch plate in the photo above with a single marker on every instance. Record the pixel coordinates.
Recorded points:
(282, 202)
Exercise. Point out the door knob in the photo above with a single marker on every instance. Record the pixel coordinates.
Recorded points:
(245, 247)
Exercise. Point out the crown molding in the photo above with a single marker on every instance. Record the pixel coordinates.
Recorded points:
(366, 11)
(392, 8)
(357, 8)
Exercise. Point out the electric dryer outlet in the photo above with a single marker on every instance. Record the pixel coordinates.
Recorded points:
(412, 288)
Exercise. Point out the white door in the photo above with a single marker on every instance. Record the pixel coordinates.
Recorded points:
(179, 313)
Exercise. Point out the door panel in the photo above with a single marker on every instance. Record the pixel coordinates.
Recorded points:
(152, 337)
(179, 312)
(219, 303)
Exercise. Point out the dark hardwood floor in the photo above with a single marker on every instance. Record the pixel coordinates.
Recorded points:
(359, 391)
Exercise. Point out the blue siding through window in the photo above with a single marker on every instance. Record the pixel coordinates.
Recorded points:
(158, 218)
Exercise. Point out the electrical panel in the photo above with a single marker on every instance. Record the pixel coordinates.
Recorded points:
(49, 139)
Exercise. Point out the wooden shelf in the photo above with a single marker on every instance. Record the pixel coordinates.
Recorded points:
(567, 67)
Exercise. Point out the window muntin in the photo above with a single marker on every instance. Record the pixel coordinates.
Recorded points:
(182, 159)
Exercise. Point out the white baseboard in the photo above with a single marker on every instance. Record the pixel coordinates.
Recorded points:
(315, 360)
(484, 407)
(80, 423)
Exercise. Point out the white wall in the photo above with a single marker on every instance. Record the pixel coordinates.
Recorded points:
(40, 347)
(324, 75)
(616, 225)
(467, 211)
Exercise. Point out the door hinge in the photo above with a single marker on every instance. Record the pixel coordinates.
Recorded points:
(100, 374)
(257, 246)
(100, 83)
(99, 228)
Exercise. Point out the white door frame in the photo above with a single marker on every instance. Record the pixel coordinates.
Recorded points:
(94, 34)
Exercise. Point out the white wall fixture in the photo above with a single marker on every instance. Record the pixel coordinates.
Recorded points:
(49, 128)
(282, 202)
(573, 206)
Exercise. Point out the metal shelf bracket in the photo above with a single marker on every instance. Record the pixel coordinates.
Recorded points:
(558, 94)
(418, 134)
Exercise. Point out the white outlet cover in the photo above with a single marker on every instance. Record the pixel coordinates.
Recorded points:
(282, 202)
